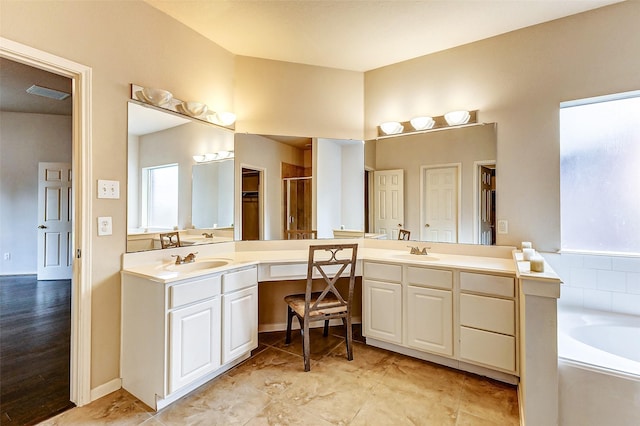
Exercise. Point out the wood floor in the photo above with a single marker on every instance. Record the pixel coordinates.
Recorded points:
(35, 331)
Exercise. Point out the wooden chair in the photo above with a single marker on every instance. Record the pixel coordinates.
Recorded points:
(403, 234)
(170, 239)
(302, 234)
(329, 303)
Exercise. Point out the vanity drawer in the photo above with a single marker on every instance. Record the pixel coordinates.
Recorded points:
(383, 271)
(194, 291)
(484, 347)
(430, 277)
(488, 313)
(240, 279)
(487, 284)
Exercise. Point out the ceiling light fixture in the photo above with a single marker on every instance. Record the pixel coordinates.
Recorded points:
(48, 93)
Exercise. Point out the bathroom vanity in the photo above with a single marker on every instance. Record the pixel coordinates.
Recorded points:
(466, 307)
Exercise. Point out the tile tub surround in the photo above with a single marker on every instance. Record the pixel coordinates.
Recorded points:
(377, 387)
(605, 283)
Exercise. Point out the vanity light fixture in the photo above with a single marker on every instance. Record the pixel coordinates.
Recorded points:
(223, 118)
(216, 156)
(422, 122)
(456, 118)
(391, 127)
(425, 123)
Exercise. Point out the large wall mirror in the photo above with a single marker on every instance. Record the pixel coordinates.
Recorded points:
(298, 187)
(174, 181)
(438, 185)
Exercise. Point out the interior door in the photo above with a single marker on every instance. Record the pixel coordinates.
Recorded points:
(389, 202)
(55, 257)
(440, 204)
(487, 208)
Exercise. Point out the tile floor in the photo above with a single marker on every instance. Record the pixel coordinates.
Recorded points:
(271, 388)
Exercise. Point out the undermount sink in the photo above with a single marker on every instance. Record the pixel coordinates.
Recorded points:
(417, 257)
(198, 265)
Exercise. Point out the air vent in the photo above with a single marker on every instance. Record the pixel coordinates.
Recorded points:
(47, 93)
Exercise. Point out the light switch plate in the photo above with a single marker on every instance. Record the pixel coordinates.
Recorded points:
(105, 226)
(503, 226)
(108, 189)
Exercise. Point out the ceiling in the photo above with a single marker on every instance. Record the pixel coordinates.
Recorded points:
(359, 35)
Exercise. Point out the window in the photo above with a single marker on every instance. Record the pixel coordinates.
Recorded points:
(160, 196)
(600, 174)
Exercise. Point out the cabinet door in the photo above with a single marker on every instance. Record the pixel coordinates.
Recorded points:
(194, 342)
(383, 310)
(430, 319)
(240, 323)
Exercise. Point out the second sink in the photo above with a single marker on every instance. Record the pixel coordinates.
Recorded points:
(198, 265)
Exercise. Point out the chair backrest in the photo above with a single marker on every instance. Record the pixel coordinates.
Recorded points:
(403, 234)
(332, 261)
(302, 234)
(170, 239)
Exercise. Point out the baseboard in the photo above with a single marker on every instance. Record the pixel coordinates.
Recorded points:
(105, 389)
(282, 326)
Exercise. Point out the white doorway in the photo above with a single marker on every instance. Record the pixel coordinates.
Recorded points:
(81, 190)
(440, 202)
(55, 238)
(389, 202)
(484, 202)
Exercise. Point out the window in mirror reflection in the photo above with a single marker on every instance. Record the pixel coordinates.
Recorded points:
(160, 200)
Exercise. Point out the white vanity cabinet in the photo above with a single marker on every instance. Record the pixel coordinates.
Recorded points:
(382, 308)
(239, 313)
(429, 310)
(488, 320)
(178, 335)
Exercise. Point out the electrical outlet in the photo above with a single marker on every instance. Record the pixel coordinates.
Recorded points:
(105, 226)
(503, 226)
(7, 256)
(108, 189)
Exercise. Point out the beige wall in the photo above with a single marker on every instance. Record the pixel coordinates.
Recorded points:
(518, 80)
(282, 98)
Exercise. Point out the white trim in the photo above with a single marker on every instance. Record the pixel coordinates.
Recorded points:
(423, 169)
(106, 388)
(476, 199)
(82, 194)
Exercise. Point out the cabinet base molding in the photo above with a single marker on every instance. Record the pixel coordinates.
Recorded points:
(448, 362)
(163, 402)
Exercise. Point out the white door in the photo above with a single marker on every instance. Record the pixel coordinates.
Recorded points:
(440, 204)
(389, 202)
(430, 319)
(382, 310)
(55, 257)
(194, 342)
(240, 319)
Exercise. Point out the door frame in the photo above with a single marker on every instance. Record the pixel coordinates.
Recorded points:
(476, 196)
(81, 75)
(423, 169)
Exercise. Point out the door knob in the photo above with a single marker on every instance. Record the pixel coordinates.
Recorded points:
(427, 225)
(42, 227)
(400, 225)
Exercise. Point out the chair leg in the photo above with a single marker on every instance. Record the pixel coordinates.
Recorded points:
(325, 333)
(290, 314)
(348, 337)
(305, 346)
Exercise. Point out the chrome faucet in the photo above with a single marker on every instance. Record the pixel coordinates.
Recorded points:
(416, 250)
(190, 258)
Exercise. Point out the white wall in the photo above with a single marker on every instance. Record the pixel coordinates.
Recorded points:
(352, 203)
(327, 175)
(25, 140)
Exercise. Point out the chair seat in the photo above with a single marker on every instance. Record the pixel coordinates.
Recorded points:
(328, 306)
